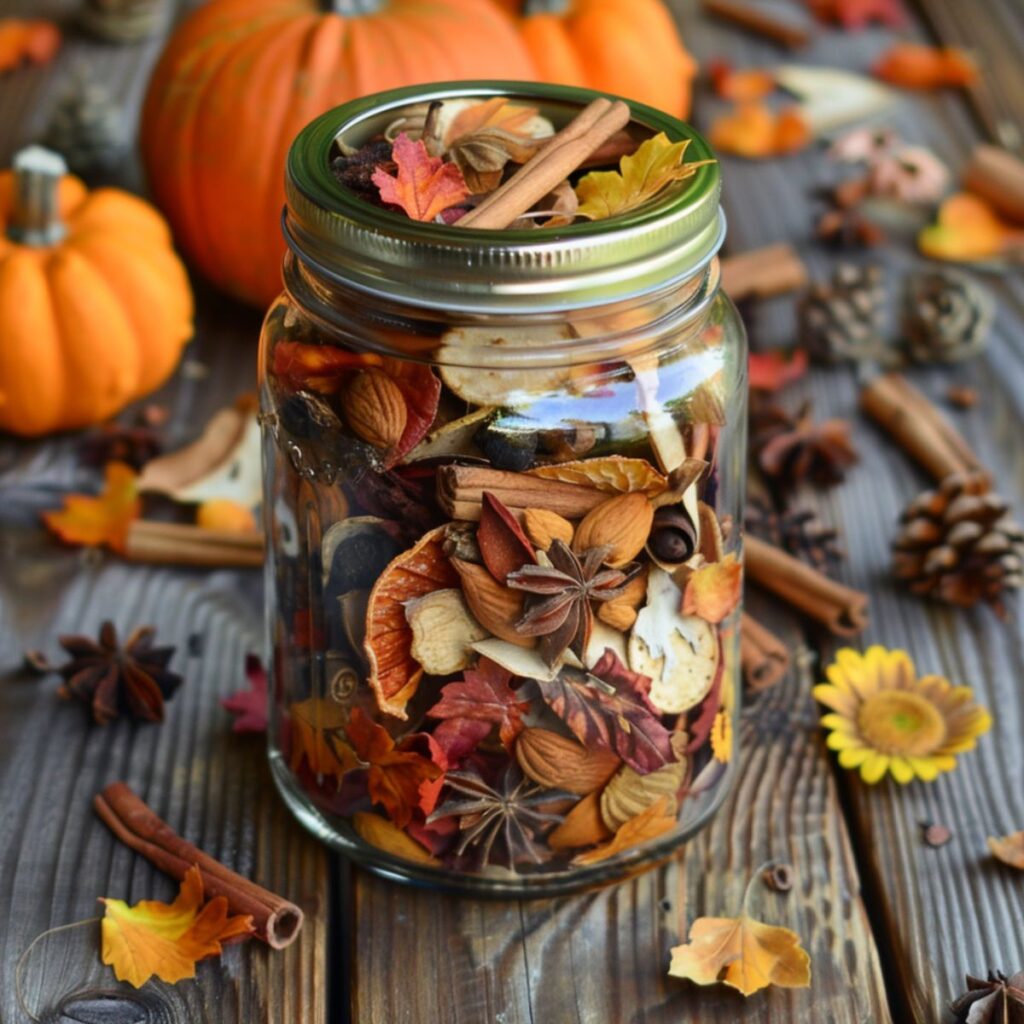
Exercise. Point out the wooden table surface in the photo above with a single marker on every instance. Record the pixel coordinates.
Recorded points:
(891, 925)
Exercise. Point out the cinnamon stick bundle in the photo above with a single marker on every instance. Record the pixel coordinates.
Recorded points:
(918, 426)
(562, 154)
(185, 544)
(763, 273)
(277, 921)
(763, 656)
(841, 608)
(460, 492)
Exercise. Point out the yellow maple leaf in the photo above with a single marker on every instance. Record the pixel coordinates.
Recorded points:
(713, 590)
(745, 954)
(650, 823)
(167, 939)
(103, 519)
(318, 725)
(641, 176)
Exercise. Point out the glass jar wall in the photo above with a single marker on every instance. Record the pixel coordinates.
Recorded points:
(502, 492)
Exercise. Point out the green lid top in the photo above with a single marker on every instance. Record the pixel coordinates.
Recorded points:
(347, 239)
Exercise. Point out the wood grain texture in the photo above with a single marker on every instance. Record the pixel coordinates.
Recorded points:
(56, 857)
(937, 913)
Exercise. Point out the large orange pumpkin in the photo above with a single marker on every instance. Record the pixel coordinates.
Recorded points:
(628, 47)
(241, 77)
(95, 307)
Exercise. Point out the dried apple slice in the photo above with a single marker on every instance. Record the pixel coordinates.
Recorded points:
(443, 631)
(678, 652)
(394, 672)
(509, 386)
(613, 474)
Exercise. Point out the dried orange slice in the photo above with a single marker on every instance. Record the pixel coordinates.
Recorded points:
(614, 474)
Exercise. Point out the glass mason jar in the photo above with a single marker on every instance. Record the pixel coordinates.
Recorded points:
(503, 477)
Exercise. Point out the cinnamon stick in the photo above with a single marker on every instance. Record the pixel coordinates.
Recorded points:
(918, 426)
(841, 608)
(184, 544)
(998, 176)
(759, 22)
(460, 492)
(562, 154)
(763, 656)
(762, 273)
(276, 920)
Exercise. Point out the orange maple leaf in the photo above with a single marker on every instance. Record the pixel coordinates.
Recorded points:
(753, 130)
(396, 772)
(104, 519)
(650, 823)
(743, 953)
(425, 184)
(34, 40)
(167, 939)
(917, 66)
(317, 725)
(713, 590)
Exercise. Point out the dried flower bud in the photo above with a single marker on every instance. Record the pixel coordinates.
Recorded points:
(673, 535)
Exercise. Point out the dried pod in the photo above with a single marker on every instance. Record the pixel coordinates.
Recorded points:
(629, 792)
(778, 877)
(443, 632)
(512, 450)
(583, 826)
(542, 527)
(375, 408)
(674, 535)
(557, 762)
(495, 606)
(621, 523)
(621, 612)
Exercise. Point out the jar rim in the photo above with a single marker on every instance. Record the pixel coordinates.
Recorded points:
(346, 239)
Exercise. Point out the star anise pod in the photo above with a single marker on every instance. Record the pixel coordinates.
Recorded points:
(563, 618)
(507, 813)
(798, 531)
(115, 680)
(791, 449)
(999, 1000)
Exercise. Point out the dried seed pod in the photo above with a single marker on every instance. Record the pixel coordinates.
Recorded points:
(621, 523)
(674, 535)
(778, 877)
(375, 408)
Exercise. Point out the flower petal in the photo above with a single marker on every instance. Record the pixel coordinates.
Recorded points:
(872, 770)
(901, 769)
(853, 757)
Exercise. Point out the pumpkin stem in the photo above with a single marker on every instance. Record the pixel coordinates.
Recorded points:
(35, 212)
(545, 7)
(355, 8)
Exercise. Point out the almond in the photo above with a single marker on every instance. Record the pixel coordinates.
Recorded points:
(561, 763)
(495, 606)
(583, 826)
(621, 523)
(542, 527)
(621, 613)
(375, 408)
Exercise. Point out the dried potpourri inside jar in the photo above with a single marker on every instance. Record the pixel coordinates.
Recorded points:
(504, 413)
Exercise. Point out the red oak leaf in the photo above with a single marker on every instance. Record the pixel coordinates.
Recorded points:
(457, 738)
(425, 184)
(249, 706)
(484, 695)
(770, 371)
(396, 774)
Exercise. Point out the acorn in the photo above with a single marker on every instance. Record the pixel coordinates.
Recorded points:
(673, 536)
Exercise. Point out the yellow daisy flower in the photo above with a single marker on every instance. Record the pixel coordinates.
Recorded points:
(884, 718)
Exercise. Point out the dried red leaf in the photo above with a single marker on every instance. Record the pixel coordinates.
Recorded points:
(770, 371)
(395, 773)
(503, 545)
(484, 695)
(425, 185)
(249, 706)
(856, 14)
(421, 389)
(457, 738)
(917, 66)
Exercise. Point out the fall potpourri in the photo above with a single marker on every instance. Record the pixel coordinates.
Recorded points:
(507, 596)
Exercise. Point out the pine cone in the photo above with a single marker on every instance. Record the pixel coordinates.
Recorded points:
(958, 544)
(797, 531)
(122, 21)
(843, 319)
(88, 129)
(791, 449)
(946, 317)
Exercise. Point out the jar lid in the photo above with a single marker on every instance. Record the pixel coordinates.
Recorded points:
(349, 240)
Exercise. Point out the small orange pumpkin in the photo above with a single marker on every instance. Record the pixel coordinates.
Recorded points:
(95, 307)
(240, 78)
(628, 47)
